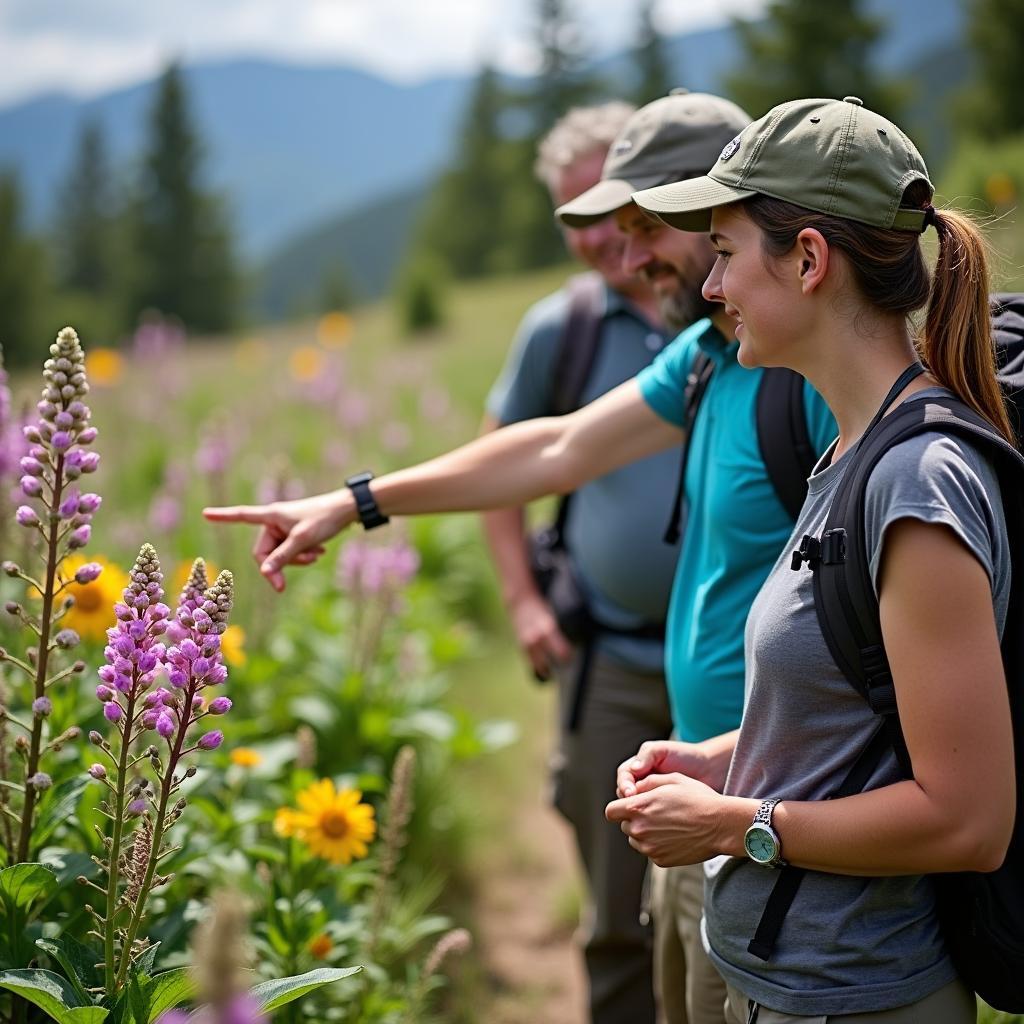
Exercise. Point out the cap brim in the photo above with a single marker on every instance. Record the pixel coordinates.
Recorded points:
(687, 205)
(601, 200)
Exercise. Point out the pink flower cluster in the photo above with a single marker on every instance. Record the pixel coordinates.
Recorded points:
(368, 569)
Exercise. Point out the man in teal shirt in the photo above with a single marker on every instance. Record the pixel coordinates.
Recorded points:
(736, 525)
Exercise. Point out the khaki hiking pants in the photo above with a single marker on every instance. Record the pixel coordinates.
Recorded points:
(952, 1004)
(690, 990)
(620, 710)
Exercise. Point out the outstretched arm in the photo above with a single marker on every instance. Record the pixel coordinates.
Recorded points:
(512, 466)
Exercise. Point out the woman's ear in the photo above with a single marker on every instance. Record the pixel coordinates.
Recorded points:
(812, 254)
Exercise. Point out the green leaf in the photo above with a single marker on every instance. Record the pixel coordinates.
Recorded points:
(67, 865)
(165, 991)
(144, 965)
(52, 994)
(62, 802)
(23, 884)
(77, 960)
(272, 994)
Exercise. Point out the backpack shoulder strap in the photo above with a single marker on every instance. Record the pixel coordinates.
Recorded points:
(1008, 333)
(579, 343)
(696, 384)
(844, 594)
(783, 436)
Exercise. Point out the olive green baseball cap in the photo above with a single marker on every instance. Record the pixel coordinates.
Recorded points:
(677, 136)
(833, 156)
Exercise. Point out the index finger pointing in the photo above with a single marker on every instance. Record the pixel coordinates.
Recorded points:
(237, 513)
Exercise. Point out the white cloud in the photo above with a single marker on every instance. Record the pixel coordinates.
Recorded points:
(87, 48)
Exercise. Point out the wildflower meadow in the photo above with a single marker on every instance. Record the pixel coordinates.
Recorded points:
(217, 805)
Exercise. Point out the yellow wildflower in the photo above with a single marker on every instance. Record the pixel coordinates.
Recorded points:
(321, 946)
(1000, 189)
(306, 363)
(232, 646)
(246, 757)
(333, 823)
(334, 330)
(103, 367)
(93, 610)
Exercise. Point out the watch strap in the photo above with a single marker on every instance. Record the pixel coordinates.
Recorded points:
(367, 508)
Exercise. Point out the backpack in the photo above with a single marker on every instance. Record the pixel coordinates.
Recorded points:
(981, 914)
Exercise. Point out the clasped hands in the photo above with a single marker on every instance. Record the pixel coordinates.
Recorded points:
(668, 805)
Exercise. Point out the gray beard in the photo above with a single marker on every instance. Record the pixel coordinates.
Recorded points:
(685, 307)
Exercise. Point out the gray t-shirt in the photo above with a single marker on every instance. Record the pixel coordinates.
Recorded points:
(848, 944)
(616, 522)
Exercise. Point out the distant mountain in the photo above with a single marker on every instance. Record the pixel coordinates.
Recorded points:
(286, 144)
(305, 153)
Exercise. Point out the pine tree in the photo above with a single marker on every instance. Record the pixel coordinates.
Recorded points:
(807, 48)
(654, 71)
(462, 218)
(993, 107)
(562, 81)
(183, 246)
(22, 282)
(86, 217)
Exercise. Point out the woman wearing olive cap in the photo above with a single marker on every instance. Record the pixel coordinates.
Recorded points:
(816, 213)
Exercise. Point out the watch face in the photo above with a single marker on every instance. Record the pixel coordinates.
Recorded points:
(760, 844)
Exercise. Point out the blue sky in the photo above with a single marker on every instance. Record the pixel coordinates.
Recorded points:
(90, 46)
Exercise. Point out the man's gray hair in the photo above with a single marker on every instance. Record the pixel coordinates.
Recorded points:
(579, 133)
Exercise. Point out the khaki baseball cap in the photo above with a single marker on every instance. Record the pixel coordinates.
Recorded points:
(833, 156)
(678, 136)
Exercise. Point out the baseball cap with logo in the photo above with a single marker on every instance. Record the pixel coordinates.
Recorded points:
(677, 136)
(833, 156)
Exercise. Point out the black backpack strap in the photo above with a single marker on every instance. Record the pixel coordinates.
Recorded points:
(579, 343)
(783, 437)
(696, 384)
(1008, 333)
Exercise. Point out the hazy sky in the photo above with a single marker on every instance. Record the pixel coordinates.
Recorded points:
(89, 46)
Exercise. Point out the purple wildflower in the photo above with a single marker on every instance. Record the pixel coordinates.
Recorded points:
(112, 711)
(98, 772)
(211, 740)
(39, 781)
(79, 537)
(42, 706)
(220, 706)
(26, 516)
(135, 808)
(31, 486)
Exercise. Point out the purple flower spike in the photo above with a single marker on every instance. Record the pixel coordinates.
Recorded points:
(98, 772)
(135, 808)
(211, 740)
(220, 706)
(165, 725)
(61, 441)
(42, 706)
(112, 711)
(26, 516)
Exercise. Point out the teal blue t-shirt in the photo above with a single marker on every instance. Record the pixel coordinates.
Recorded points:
(735, 527)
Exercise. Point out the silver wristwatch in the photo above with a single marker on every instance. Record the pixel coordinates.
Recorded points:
(761, 841)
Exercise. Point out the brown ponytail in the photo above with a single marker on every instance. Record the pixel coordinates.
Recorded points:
(889, 269)
(956, 344)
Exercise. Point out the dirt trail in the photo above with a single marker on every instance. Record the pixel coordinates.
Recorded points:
(527, 888)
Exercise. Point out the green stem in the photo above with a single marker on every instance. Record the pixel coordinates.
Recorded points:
(28, 808)
(166, 789)
(113, 864)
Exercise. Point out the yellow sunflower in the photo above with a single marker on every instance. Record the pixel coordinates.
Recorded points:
(246, 757)
(333, 823)
(232, 646)
(93, 610)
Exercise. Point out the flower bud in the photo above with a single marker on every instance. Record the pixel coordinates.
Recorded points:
(211, 740)
(11, 568)
(165, 725)
(112, 711)
(69, 506)
(42, 706)
(39, 782)
(88, 435)
(31, 486)
(104, 693)
(12, 608)
(220, 706)
(191, 771)
(26, 516)
(31, 466)
(90, 462)
(95, 738)
(98, 772)
(89, 503)
(79, 538)
(61, 441)
(135, 808)
(88, 572)
(66, 639)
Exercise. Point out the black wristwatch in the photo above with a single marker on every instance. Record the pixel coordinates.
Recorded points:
(370, 514)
